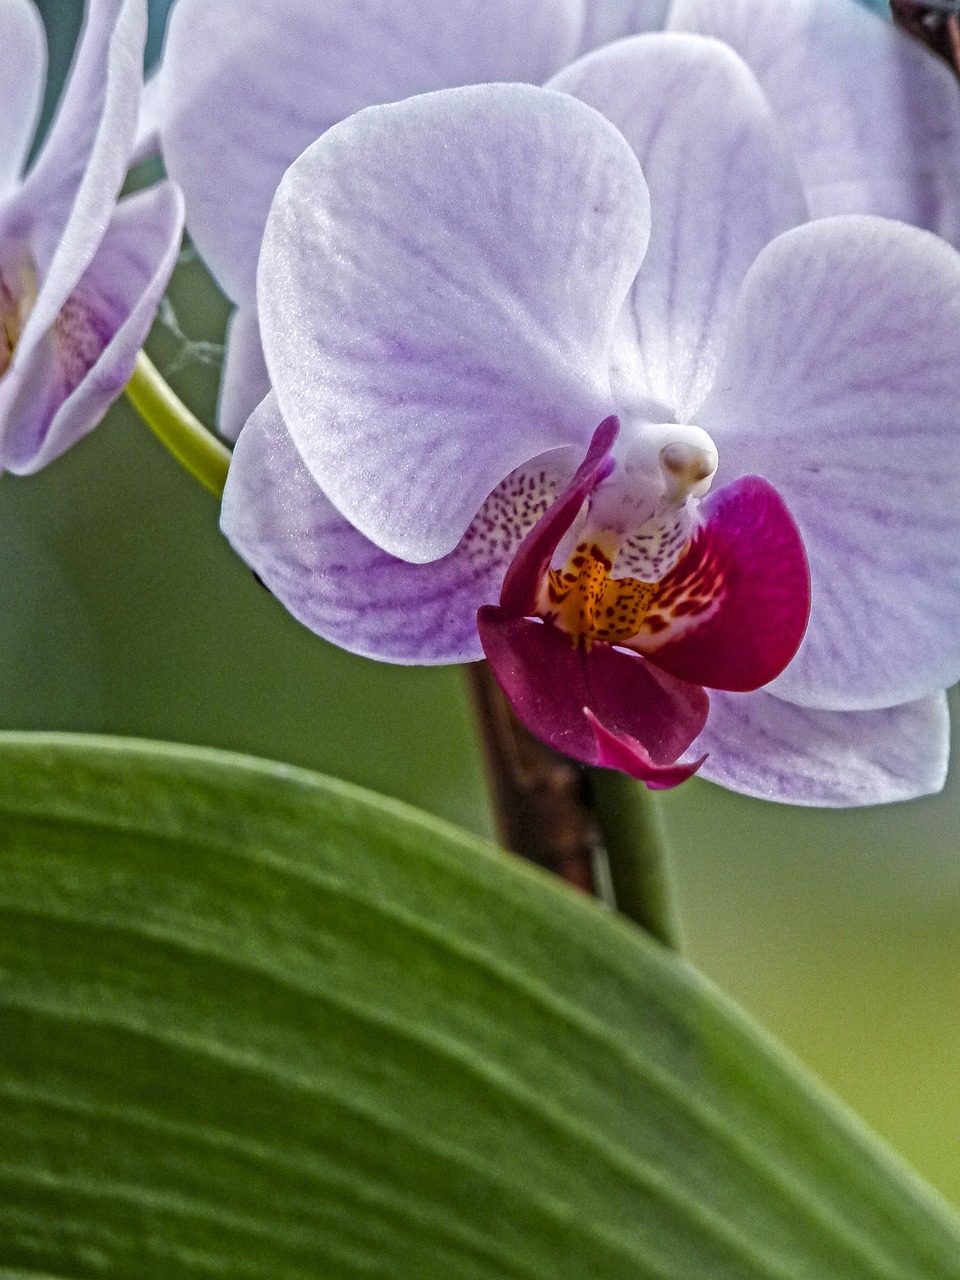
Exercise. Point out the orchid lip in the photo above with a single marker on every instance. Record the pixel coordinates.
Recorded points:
(18, 292)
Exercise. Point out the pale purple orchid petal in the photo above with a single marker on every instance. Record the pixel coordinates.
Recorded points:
(552, 684)
(275, 74)
(873, 117)
(733, 611)
(80, 367)
(245, 380)
(606, 20)
(147, 142)
(61, 211)
(840, 385)
(761, 746)
(344, 588)
(438, 288)
(722, 185)
(23, 68)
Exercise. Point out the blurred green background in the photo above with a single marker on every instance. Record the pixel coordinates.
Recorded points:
(125, 612)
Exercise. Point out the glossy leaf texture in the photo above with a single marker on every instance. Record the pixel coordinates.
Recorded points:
(255, 1023)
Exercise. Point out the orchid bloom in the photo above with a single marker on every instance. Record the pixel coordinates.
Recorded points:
(274, 74)
(508, 364)
(81, 276)
(872, 116)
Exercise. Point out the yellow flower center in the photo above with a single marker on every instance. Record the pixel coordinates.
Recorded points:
(18, 293)
(586, 602)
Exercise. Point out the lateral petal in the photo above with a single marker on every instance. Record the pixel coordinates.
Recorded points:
(86, 359)
(840, 385)
(343, 587)
(66, 200)
(438, 287)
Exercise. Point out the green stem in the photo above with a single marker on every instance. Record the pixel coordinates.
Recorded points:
(599, 831)
(177, 429)
(631, 827)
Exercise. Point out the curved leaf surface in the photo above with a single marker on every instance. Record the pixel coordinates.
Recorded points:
(255, 1023)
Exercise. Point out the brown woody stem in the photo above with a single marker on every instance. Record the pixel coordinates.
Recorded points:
(936, 25)
(596, 830)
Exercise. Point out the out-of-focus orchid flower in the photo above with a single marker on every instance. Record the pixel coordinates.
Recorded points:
(274, 74)
(606, 20)
(872, 117)
(460, 292)
(81, 276)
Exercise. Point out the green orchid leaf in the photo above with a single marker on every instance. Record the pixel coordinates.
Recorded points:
(258, 1024)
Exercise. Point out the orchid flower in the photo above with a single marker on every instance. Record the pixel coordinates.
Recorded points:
(81, 276)
(274, 74)
(872, 116)
(460, 293)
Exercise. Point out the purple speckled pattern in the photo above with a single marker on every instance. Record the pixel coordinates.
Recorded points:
(344, 587)
(529, 566)
(736, 606)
